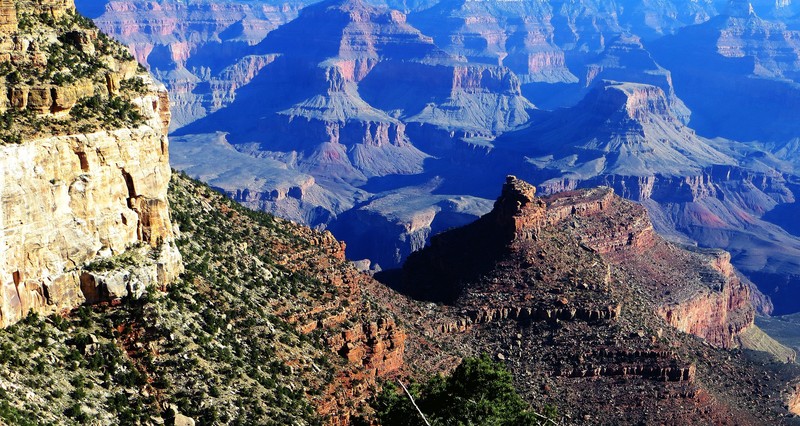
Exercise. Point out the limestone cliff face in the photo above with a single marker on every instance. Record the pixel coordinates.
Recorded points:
(84, 215)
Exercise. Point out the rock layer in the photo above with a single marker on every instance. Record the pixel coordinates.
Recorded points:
(74, 203)
(580, 297)
(202, 51)
(697, 293)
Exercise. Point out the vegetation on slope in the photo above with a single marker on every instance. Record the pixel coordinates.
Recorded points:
(222, 345)
(68, 52)
(210, 347)
(479, 392)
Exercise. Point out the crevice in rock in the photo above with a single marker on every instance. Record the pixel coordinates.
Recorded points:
(83, 160)
(131, 188)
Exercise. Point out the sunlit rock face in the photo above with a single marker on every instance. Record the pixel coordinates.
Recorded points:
(70, 199)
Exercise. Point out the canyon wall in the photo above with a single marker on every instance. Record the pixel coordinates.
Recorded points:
(441, 90)
(717, 316)
(83, 213)
(713, 302)
(202, 51)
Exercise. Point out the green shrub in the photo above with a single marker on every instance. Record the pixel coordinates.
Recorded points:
(479, 392)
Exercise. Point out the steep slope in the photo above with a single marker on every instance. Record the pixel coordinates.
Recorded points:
(625, 59)
(202, 49)
(578, 295)
(315, 125)
(514, 226)
(625, 129)
(363, 51)
(341, 133)
(749, 62)
(545, 42)
(341, 338)
(516, 34)
(84, 166)
(330, 127)
(269, 325)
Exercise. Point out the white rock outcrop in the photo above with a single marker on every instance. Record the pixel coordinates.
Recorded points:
(67, 201)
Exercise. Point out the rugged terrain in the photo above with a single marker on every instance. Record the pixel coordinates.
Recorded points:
(576, 291)
(197, 310)
(84, 165)
(270, 325)
(202, 50)
(423, 99)
(745, 58)
(628, 136)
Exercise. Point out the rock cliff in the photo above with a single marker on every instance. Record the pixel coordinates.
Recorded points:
(270, 323)
(442, 90)
(519, 36)
(84, 167)
(623, 129)
(629, 137)
(749, 60)
(363, 104)
(192, 47)
(626, 59)
(577, 289)
(696, 293)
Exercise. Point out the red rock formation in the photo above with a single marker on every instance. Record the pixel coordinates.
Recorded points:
(578, 294)
(706, 299)
(368, 339)
(716, 315)
(698, 293)
(377, 347)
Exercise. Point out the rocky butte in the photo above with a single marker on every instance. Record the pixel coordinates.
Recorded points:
(629, 136)
(84, 166)
(697, 292)
(589, 306)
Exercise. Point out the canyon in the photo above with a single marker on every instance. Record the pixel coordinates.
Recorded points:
(133, 294)
(437, 101)
(576, 289)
